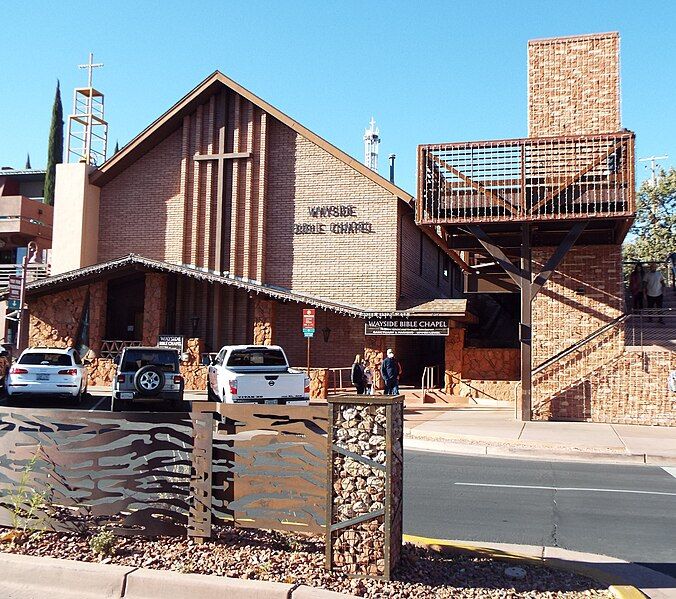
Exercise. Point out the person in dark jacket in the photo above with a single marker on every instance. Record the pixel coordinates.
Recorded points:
(357, 376)
(391, 371)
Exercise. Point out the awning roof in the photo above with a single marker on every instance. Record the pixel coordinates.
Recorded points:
(456, 308)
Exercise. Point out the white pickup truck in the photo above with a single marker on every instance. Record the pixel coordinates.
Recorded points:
(256, 374)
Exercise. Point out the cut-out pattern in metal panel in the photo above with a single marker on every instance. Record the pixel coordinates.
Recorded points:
(130, 471)
(269, 467)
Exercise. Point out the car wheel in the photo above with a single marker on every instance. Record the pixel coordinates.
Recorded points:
(149, 380)
(78, 398)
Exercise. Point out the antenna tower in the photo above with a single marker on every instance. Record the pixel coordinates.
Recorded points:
(87, 128)
(371, 144)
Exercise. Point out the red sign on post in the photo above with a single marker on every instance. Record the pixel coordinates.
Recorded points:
(309, 320)
(14, 287)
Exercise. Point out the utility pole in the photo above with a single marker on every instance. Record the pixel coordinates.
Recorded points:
(653, 166)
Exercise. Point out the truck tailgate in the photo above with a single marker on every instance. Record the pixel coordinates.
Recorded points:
(270, 386)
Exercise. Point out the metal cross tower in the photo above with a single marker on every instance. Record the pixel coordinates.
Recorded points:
(371, 144)
(87, 127)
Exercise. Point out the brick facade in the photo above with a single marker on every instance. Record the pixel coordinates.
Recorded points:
(574, 85)
(359, 269)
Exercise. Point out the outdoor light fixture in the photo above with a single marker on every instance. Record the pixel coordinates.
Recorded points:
(326, 331)
(195, 323)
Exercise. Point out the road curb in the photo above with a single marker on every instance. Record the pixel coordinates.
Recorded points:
(463, 445)
(624, 579)
(38, 577)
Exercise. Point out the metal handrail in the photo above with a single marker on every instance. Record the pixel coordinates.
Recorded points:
(579, 344)
(464, 382)
(111, 348)
(430, 377)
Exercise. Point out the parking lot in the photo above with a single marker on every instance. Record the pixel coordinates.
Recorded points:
(98, 399)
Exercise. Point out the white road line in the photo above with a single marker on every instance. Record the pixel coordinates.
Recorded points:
(98, 403)
(670, 470)
(566, 489)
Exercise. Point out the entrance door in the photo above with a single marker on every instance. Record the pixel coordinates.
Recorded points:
(124, 317)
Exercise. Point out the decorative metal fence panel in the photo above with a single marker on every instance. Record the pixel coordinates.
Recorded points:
(130, 471)
(269, 467)
(261, 466)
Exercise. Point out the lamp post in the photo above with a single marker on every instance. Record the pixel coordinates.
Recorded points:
(22, 329)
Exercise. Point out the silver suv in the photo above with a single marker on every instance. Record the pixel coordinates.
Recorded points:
(147, 373)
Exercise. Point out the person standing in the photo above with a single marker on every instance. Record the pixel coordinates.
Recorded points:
(636, 287)
(391, 371)
(368, 378)
(357, 375)
(654, 287)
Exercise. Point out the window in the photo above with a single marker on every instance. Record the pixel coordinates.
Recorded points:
(256, 357)
(135, 359)
(445, 271)
(45, 359)
(77, 359)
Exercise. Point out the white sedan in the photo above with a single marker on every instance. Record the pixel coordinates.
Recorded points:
(47, 371)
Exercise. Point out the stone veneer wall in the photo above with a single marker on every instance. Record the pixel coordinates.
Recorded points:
(366, 484)
(194, 373)
(55, 319)
(495, 364)
(632, 388)
(264, 321)
(453, 360)
(585, 293)
(154, 307)
(574, 85)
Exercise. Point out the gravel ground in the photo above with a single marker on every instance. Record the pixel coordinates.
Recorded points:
(291, 558)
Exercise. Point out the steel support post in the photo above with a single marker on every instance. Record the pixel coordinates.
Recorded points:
(523, 407)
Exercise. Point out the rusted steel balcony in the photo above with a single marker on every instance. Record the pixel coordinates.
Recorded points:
(523, 180)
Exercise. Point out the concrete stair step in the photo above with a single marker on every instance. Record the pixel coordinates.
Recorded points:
(439, 397)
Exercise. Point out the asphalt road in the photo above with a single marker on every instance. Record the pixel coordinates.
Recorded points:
(628, 512)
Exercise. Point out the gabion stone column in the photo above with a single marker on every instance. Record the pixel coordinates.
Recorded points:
(365, 482)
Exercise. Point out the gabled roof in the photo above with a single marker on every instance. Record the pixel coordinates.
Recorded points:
(132, 263)
(171, 120)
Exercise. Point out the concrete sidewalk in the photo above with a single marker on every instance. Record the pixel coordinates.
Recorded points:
(491, 431)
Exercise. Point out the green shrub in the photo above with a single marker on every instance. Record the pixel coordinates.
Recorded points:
(103, 543)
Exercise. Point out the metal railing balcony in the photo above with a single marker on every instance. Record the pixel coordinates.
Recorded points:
(529, 179)
(35, 272)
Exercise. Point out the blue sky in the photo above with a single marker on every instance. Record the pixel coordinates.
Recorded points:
(427, 71)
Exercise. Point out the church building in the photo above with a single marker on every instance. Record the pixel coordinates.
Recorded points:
(501, 281)
(220, 223)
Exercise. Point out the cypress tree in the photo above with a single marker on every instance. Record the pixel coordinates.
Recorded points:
(117, 148)
(28, 162)
(55, 146)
